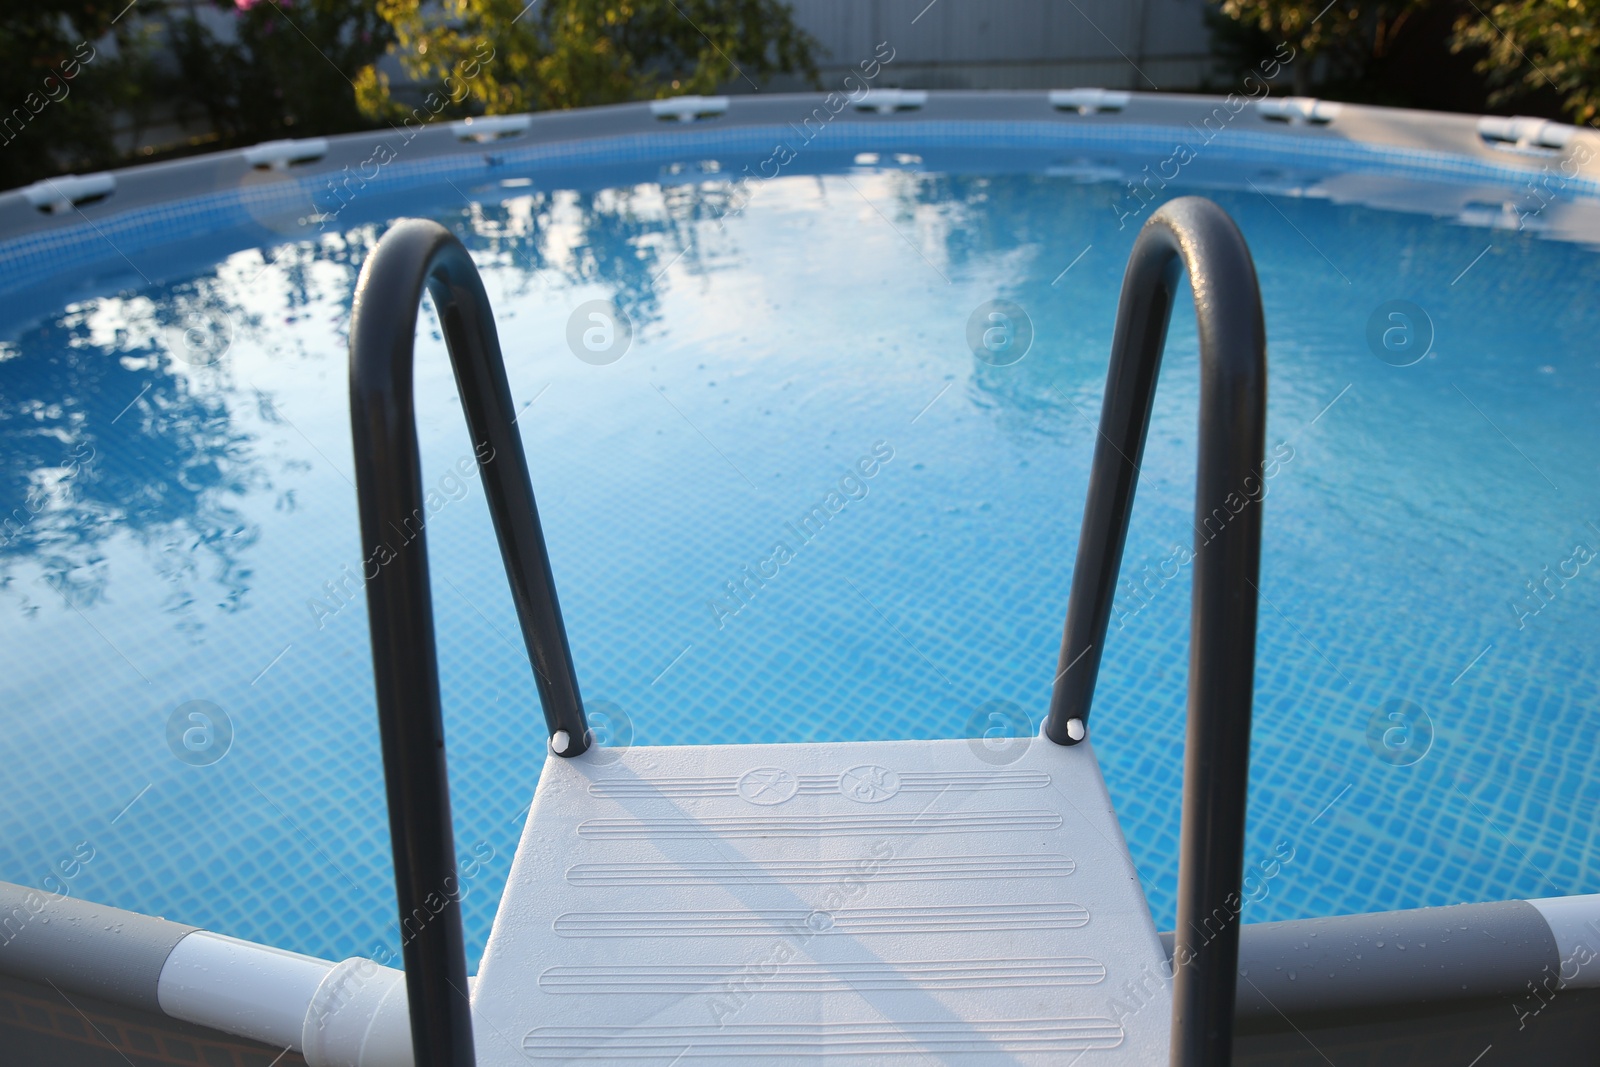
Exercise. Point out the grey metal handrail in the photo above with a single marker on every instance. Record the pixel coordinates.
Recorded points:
(412, 256)
(1196, 234)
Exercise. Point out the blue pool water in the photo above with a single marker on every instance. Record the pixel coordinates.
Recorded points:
(181, 530)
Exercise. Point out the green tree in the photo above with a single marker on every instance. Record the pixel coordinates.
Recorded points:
(290, 69)
(509, 56)
(68, 68)
(1533, 45)
(1347, 37)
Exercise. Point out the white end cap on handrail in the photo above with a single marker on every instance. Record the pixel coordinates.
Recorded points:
(486, 128)
(60, 195)
(281, 155)
(1522, 133)
(1299, 110)
(1089, 101)
(689, 108)
(888, 101)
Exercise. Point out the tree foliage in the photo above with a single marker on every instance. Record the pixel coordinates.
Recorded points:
(509, 56)
(268, 81)
(66, 66)
(1348, 38)
(80, 79)
(1535, 52)
(1540, 44)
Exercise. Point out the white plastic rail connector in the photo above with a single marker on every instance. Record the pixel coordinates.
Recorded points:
(1089, 101)
(689, 108)
(486, 128)
(60, 195)
(281, 155)
(888, 101)
(1522, 133)
(1299, 110)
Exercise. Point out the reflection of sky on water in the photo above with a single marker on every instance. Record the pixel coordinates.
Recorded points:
(200, 553)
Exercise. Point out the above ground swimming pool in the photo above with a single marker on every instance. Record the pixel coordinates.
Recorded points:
(811, 453)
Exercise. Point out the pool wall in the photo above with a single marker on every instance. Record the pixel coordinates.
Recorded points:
(1392, 987)
(1368, 148)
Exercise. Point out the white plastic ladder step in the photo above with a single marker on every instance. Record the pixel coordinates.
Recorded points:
(872, 903)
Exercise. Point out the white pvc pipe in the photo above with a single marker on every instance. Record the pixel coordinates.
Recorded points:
(358, 1018)
(350, 1014)
(251, 990)
(354, 1013)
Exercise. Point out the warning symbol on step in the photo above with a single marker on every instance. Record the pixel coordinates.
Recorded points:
(869, 784)
(768, 785)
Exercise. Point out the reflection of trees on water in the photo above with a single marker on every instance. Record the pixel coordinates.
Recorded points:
(1034, 226)
(171, 465)
(301, 271)
(104, 432)
(1020, 231)
(623, 240)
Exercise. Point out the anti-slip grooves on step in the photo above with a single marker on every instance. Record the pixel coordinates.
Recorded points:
(882, 903)
(970, 919)
(814, 872)
(770, 785)
(819, 978)
(824, 826)
(835, 1041)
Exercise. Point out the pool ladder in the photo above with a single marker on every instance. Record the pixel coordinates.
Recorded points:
(1189, 233)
